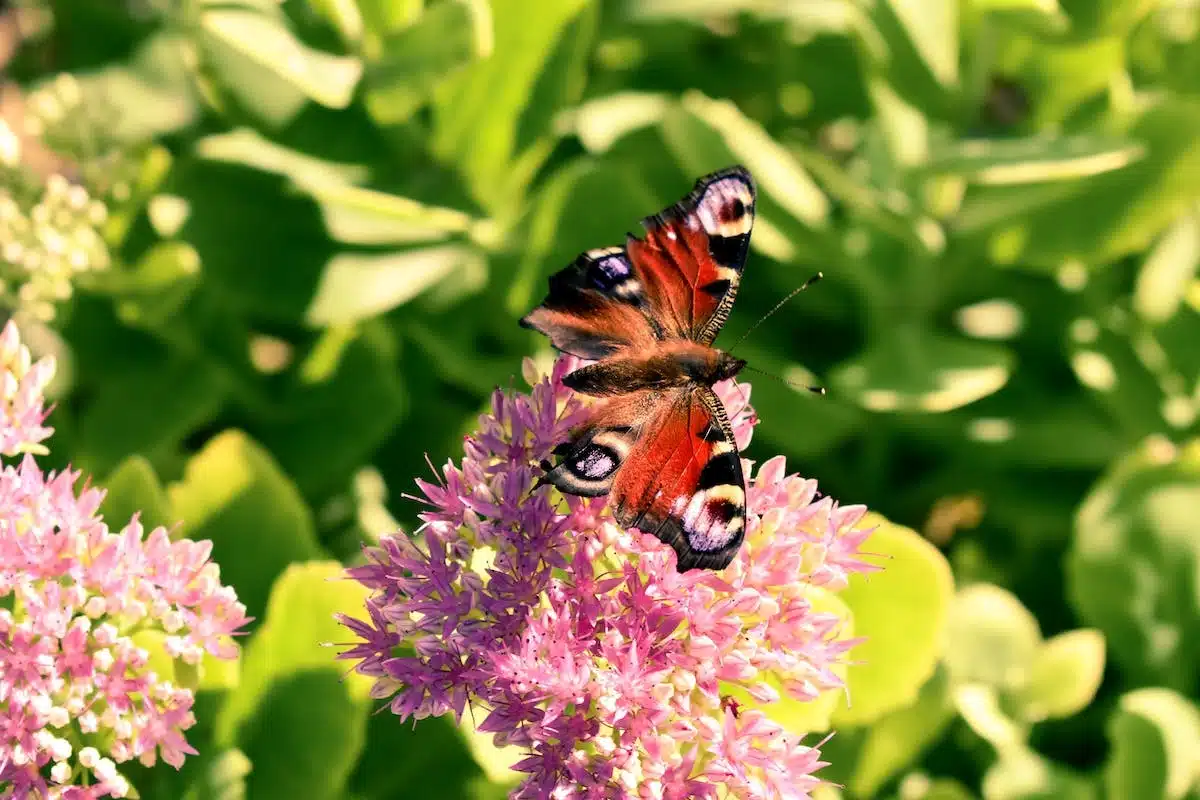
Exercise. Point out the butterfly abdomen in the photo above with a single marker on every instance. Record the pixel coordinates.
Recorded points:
(671, 364)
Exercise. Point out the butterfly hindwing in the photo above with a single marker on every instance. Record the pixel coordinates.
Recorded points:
(682, 481)
(589, 461)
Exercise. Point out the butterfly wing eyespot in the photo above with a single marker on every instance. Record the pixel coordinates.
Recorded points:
(694, 252)
(682, 482)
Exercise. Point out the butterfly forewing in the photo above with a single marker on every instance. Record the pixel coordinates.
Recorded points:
(691, 260)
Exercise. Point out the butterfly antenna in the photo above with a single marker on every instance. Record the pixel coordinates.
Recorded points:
(778, 306)
(814, 389)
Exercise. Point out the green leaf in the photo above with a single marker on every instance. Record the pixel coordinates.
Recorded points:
(295, 715)
(915, 369)
(233, 493)
(432, 754)
(319, 456)
(933, 29)
(241, 216)
(898, 738)
(264, 39)
(1064, 676)
(1133, 562)
(343, 15)
(496, 762)
(355, 286)
(1002, 162)
(364, 216)
(1022, 774)
(151, 96)
(601, 121)
(980, 706)
(304, 737)
(477, 111)
(1155, 736)
(133, 488)
(248, 148)
(1125, 209)
(901, 612)
(150, 408)
(1168, 270)
(154, 291)
(414, 60)
(992, 638)
(223, 777)
(1091, 17)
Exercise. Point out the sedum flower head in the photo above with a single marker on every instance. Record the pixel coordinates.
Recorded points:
(580, 643)
(87, 614)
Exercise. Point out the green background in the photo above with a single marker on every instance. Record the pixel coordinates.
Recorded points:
(326, 217)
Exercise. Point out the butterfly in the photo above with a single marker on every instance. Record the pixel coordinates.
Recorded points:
(658, 441)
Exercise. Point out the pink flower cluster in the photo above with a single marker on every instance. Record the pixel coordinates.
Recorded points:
(89, 619)
(22, 409)
(579, 641)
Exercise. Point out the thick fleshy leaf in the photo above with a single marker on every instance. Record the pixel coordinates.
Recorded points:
(902, 613)
(1064, 676)
(133, 488)
(898, 738)
(1155, 737)
(318, 456)
(1022, 774)
(432, 754)
(223, 777)
(295, 715)
(1133, 561)
(233, 493)
(992, 639)
(151, 407)
(364, 216)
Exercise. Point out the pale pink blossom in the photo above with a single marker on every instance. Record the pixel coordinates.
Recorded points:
(82, 610)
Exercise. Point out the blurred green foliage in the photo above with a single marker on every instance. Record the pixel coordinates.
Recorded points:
(324, 218)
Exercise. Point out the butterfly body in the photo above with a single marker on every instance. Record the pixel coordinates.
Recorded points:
(658, 440)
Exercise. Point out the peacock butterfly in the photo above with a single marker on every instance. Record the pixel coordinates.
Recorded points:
(659, 440)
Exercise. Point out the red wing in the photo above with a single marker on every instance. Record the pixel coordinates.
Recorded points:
(691, 261)
(591, 458)
(677, 283)
(588, 312)
(682, 481)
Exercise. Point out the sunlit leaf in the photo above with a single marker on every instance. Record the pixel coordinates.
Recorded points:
(266, 40)
(902, 613)
(916, 370)
(359, 285)
(1155, 736)
(1130, 571)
